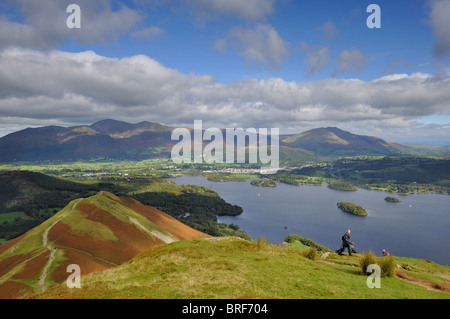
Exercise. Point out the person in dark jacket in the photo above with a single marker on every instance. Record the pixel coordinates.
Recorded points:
(346, 243)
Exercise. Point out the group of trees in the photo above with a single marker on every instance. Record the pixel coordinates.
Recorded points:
(305, 241)
(33, 193)
(217, 177)
(292, 179)
(352, 208)
(197, 207)
(263, 182)
(342, 186)
(10, 230)
(392, 199)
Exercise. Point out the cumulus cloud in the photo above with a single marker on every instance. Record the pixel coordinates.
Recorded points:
(42, 23)
(261, 45)
(150, 33)
(80, 88)
(329, 30)
(220, 45)
(440, 11)
(350, 62)
(317, 57)
(215, 9)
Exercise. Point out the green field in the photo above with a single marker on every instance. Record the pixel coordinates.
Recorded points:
(10, 217)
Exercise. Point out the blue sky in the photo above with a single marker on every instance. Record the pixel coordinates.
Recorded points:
(290, 64)
(401, 45)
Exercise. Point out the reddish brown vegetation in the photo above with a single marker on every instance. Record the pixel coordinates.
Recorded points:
(165, 221)
(33, 266)
(91, 252)
(12, 289)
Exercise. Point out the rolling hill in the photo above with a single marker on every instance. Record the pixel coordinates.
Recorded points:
(96, 233)
(332, 141)
(233, 268)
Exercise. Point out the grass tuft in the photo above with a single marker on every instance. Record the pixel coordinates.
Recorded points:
(388, 266)
(312, 253)
(366, 260)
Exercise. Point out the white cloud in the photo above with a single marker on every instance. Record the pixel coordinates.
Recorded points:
(220, 45)
(350, 62)
(317, 57)
(215, 9)
(440, 13)
(261, 45)
(80, 88)
(150, 33)
(329, 30)
(44, 23)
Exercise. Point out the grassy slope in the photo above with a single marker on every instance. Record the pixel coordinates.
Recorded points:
(94, 240)
(234, 268)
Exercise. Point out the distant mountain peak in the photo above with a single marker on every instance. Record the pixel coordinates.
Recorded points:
(115, 139)
(108, 121)
(335, 141)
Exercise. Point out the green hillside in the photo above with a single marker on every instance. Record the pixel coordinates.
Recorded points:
(96, 233)
(230, 268)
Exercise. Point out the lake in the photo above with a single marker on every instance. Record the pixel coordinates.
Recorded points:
(416, 227)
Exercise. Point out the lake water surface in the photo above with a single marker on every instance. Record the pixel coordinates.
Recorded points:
(416, 227)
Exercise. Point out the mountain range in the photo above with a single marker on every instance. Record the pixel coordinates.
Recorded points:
(120, 140)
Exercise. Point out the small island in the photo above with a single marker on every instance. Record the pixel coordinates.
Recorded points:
(263, 182)
(392, 199)
(352, 208)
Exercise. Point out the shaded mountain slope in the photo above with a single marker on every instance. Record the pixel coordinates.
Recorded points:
(121, 140)
(20, 190)
(107, 138)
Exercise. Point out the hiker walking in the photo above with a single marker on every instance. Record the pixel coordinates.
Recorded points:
(346, 243)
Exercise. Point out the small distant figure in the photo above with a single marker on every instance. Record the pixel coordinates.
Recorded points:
(385, 253)
(346, 243)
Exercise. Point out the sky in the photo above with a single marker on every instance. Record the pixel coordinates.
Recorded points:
(292, 65)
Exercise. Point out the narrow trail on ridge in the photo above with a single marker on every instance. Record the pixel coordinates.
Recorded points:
(51, 248)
